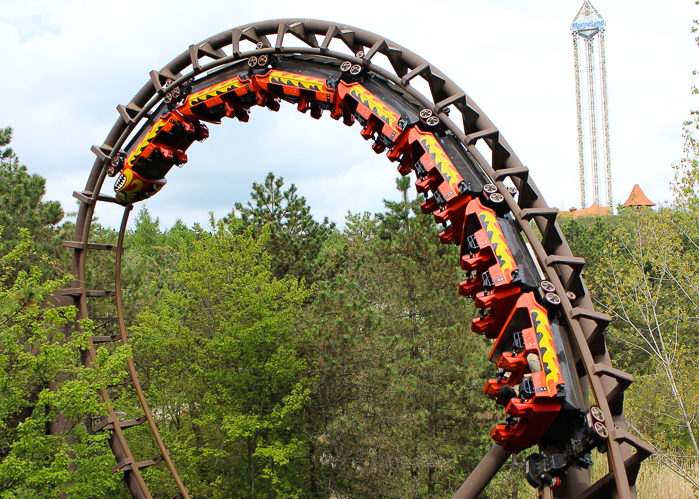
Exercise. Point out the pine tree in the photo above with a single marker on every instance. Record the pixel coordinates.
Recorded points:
(22, 205)
(400, 373)
(295, 238)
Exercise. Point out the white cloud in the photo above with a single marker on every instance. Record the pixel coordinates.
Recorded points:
(66, 65)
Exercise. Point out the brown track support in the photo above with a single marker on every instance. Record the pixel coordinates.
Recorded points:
(118, 443)
(165, 454)
(300, 36)
(479, 479)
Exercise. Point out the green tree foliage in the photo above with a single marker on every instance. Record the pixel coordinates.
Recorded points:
(367, 384)
(648, 282)
(588, 238)
(686, 182)
(650, 286)
(219, 358)
(400, 374)
(22, 206)
(149, 264)
(151, 259)
(45, 393)
(295, 238)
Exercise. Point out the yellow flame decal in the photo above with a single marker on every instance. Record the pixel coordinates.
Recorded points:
(498, 242)
(213, 91)
(549, 359)
(297, 80)
(440, 158)
(138, 150)
(375, 105)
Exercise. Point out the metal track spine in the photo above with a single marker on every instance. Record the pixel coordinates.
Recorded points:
(119, 445)
(132, 369)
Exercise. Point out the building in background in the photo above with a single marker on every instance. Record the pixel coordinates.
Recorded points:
(591, 97)
(637, 198)
(594, 210)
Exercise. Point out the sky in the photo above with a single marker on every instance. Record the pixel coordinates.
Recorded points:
(65, 65)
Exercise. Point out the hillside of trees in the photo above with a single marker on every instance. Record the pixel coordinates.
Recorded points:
(284, 357)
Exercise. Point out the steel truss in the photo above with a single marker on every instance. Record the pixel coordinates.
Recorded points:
(468, 124)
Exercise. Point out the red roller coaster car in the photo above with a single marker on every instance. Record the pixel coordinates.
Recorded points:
(151, 155)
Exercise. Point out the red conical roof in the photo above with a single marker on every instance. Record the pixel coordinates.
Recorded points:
(637, 198)
(593, 210)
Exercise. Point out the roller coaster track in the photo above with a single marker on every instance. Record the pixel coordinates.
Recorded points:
(295, 42)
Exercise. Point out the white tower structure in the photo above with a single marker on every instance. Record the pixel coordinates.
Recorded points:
(589, 26)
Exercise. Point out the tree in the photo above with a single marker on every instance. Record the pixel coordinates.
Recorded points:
(588, 237)
(151, 259)
(295, 238)
(40, 348)
(650, 287)
(686, 181)
(400, 374)
(219, 358)
(22, 207)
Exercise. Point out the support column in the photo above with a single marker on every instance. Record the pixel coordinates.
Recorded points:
(481, 476)
(605, 114)
(581, 138)
(589, 41)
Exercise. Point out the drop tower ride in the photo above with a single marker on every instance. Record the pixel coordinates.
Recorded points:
(589, 26)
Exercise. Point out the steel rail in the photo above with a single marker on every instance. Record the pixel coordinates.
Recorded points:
(132, 369)
(120, 448)
(551, 251)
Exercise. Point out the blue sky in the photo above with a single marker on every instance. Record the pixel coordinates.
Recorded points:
(67, 64)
